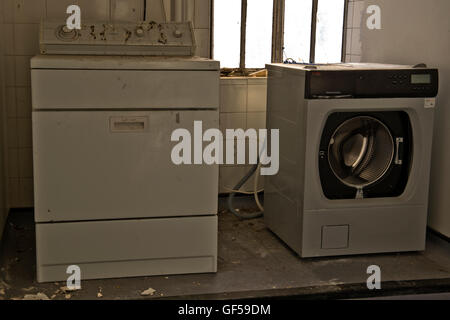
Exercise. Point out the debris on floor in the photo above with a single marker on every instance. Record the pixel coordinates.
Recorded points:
(3, 287)
(3, 284)
(29, 289)
(67, 289)
(99, 293)
(148, 292)
(38, 296)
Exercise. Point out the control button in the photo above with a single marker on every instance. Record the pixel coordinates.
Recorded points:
(394, 82)
(139, 32)
(63, 33)
(177, 33)
(162, 38)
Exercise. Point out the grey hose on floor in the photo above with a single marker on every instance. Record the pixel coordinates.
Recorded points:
(233, 194)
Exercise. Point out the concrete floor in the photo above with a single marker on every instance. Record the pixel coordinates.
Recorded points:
(253, 262)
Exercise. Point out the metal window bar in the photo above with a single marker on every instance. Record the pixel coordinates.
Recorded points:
(312, 55)
(344, 31)
(278, 31)
(243, 33)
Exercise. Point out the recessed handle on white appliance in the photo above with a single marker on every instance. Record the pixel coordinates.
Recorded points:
(128, 124)
(399, 150)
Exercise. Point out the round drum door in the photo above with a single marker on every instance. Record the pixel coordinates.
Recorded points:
(365, 155)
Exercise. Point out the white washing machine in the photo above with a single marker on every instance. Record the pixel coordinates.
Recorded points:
(108, 197)
(355, 150)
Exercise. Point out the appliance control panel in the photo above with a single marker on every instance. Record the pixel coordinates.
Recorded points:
(391, 83)
(143, 38)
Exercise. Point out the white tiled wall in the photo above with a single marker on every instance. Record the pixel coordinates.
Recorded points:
(356, 11)
(242, 106)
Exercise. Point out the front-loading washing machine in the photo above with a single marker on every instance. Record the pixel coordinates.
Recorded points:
(355, 150)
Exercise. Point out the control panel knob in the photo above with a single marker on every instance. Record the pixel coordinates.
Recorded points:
(65, 34)
(177, 33)
(139, 32)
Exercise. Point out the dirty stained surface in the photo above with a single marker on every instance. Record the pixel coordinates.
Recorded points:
(253, 262)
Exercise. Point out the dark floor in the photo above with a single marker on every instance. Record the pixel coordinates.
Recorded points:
(252, 263)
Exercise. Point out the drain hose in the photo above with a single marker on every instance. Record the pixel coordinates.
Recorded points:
(232, 195)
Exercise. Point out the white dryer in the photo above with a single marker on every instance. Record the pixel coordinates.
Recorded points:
(108, 197)
(355, 150)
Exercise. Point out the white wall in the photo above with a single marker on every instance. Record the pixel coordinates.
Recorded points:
(3, 206)
(415, 31)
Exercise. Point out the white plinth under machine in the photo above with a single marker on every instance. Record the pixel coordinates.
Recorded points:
(108, 197)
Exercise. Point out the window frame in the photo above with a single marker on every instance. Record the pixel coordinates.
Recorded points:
(278, 31)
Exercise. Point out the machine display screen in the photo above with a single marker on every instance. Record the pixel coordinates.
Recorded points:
(421, 79)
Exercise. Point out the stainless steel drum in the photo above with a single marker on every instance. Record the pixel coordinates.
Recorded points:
(361, 151)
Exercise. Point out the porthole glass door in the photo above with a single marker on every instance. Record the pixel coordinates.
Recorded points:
(364, 155)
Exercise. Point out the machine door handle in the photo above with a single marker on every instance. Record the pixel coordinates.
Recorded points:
(399, 150)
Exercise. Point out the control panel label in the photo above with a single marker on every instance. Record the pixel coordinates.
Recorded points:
(430, 103)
